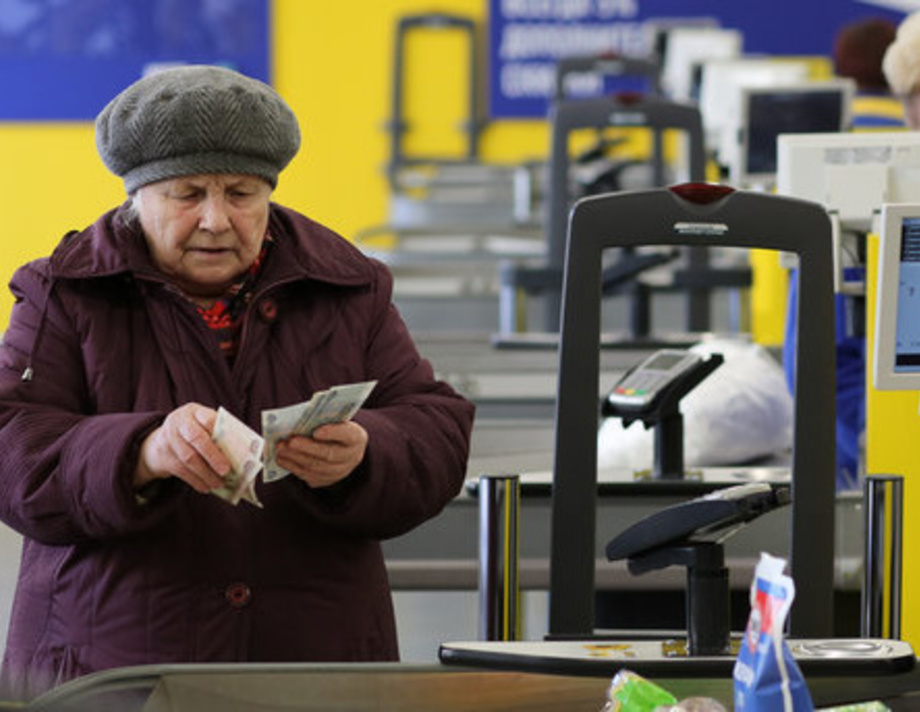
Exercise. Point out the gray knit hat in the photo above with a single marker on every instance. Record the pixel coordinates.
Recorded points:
(196, 119)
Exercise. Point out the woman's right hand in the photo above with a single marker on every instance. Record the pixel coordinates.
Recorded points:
(182, 447)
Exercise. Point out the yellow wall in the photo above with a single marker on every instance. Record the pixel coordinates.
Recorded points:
(332, 62)
(51, 180)
(892, 431)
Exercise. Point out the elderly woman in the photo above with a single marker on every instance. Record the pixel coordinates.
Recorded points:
(200, 292)
(901, 65)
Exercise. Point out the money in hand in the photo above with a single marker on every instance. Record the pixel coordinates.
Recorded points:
(243, 447)
(278, 424)
(335, 405)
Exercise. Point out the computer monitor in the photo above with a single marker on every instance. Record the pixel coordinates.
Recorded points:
(656, 32)
(768, 112)
(720, 94)
(897, 308)
(851, 173)
(688, 48)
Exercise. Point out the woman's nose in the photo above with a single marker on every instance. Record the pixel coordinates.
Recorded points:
(214, 217)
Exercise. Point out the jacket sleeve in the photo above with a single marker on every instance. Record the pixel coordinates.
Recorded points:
(418, 437)
(66, 474)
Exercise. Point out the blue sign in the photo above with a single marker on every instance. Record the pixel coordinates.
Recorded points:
(528, 37)
(63, 60)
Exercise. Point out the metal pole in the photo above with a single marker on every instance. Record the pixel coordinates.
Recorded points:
(499, 589)
(883, 499)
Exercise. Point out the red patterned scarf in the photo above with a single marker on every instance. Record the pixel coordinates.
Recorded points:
(225, 316)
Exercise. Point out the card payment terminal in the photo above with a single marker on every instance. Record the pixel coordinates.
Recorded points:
(645, 384)
(651, 392)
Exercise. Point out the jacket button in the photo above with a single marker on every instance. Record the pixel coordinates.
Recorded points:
(238, 594)
(268, 309)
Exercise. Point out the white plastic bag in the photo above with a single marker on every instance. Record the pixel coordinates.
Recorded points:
(741, 412)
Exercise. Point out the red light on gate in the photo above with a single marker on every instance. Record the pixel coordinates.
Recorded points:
(628, 98)
(701, 193)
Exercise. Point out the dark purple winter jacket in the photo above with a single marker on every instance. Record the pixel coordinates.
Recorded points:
(106, 581)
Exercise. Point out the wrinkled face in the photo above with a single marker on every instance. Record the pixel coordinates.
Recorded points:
(204, 231)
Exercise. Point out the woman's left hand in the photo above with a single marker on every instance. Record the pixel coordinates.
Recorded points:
(328, 456)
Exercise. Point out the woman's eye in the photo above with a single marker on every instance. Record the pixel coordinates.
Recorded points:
(185, 196)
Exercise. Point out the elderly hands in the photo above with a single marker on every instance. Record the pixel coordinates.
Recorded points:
(182, 447)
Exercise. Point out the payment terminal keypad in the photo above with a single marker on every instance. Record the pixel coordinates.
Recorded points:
(640, 386)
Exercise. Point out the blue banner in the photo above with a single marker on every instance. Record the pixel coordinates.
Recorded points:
(62, 60)
(527, 37)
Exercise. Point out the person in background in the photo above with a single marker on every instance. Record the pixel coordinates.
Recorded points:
(859, 49)
(200, 292)
(901, 66)
(859, 52)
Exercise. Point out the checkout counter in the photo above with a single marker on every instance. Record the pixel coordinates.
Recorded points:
(405, 688)
(705, 215)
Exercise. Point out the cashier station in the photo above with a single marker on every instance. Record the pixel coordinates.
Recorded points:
(523, 279)
(571, 668)
(438, 194)
(465, 229)
(441, 194)
(450, 214)
(701, 215)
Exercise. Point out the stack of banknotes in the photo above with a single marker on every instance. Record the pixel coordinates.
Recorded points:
(249, 453)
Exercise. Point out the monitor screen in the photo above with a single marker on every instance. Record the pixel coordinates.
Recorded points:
(720, 94)
(767, 112)
(897, 323)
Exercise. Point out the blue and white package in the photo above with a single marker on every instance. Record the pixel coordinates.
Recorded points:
(767, 678)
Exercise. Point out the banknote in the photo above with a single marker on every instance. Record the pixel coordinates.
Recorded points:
(335, 405)
(278, 424)
(243, 447)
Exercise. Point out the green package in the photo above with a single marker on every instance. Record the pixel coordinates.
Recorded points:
(630, 692)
